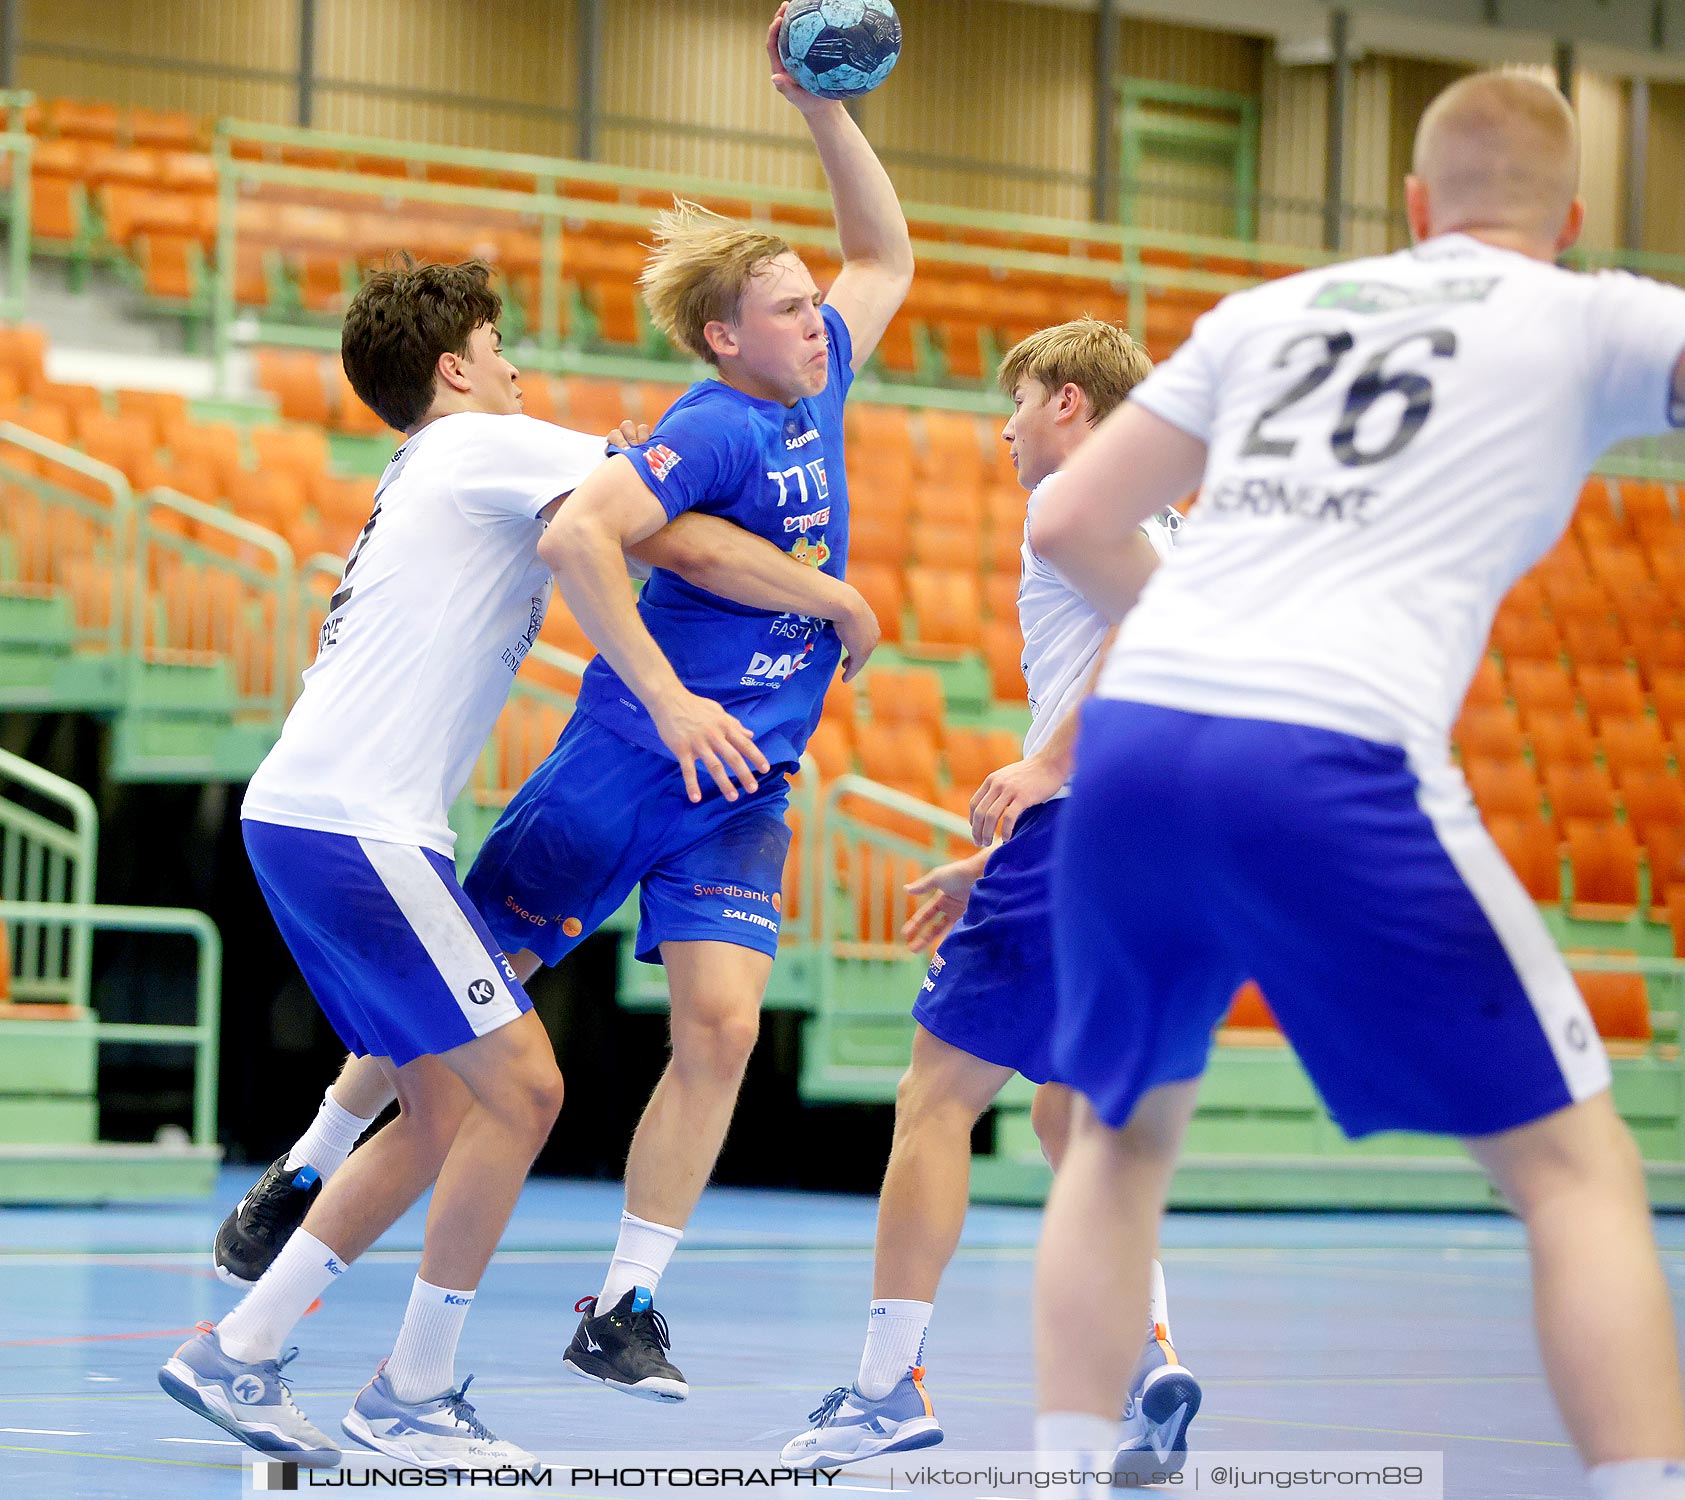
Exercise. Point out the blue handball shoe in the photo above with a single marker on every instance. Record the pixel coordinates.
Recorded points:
(848, 1427)
(1163, 1400)
(251, 1401)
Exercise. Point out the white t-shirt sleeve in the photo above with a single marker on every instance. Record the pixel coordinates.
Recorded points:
(1183, 390)
(1636, 332)
(516, 465)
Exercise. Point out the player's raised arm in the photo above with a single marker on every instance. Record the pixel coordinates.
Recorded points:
(584, 547)
(1089, 528)
(877, 250)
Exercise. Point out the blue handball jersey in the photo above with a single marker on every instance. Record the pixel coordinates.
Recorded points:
(776, 471)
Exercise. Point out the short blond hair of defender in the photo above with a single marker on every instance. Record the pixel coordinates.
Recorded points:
(1096, 356)
(1499, 151)
(700, 266)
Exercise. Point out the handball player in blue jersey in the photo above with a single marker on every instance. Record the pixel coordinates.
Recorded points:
(761, 444)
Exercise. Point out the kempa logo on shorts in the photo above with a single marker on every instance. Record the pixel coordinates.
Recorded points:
(482, 991)
(751, 916)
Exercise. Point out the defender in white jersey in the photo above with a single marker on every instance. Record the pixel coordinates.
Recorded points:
(345, 825)
(986, 1006)
(1264, 786)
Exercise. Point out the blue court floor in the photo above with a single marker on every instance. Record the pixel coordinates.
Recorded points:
(1310, 1333)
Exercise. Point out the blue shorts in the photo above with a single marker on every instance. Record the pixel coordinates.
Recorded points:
(989, 990)
(1407, 966)
(397, 958)
(602, 815)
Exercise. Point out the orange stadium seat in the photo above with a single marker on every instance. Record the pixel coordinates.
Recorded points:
(1519, 637)
(1503, 787)
(297, 450)
(1003, 650)
(1633, 744)
(1489, 731)
(1560, 739)
(1529, 843)
(1619, 1005)
(1250, 1011)
(902, 755)
(1603, 858)
(1652, 798)
(1664, 853)
(595, 406)
(911, 696)
(1595, 642)
(1540, 684)
(1610, 692)
(947, 607)
(829, 746)
(1657, 646)
(881, 585)
(1580, 792)
(973, 754)
(878, 534)
(294, 378)
(1667, 692)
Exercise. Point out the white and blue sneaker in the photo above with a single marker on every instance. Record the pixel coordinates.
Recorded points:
(252, 1401)
(440, 1432)
(1163, 1400)
(849, 1427)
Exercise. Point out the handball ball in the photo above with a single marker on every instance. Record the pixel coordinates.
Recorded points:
(839, 49)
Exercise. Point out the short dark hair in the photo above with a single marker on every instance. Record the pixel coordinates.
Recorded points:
(399, 323)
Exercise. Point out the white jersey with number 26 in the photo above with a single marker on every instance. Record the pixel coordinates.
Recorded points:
(1392, 443)
(441, 601)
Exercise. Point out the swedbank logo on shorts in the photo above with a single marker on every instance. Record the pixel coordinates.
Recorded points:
(571, 926)
(738, 893)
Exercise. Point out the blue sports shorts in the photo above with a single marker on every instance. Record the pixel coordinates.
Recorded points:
(395, 954)
(1407, 966)
(601, 816)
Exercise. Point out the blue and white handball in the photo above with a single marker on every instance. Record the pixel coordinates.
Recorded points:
(839, 49)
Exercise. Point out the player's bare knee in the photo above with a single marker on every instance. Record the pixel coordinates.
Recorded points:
(928, 1098)
(718, 1042)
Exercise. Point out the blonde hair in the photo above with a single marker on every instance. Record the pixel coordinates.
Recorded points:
(699, 268)
(1499, 151)
(1097, 357)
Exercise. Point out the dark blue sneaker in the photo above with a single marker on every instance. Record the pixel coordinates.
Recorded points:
(848, 1427)
(626, 1348)
(1163, 1400)
(251, 1401)
(263, 1221)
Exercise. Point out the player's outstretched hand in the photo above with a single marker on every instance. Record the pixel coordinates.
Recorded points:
(698, 729)
(629, 434)
(1008, 793)
(859, 632)
(782, 81)
(949, 888)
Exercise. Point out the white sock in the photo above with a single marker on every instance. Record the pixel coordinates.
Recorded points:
(329, 1140)
(640, 1256)
(1158, 1307)
(1067, 1440)
(301, 1273)
(895, 1333)
(1639, 1479)
(423, 1361)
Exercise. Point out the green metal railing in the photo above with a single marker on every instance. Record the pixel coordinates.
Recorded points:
(105, 515)
(202, 1035)
(263, 657)
(42, 861)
